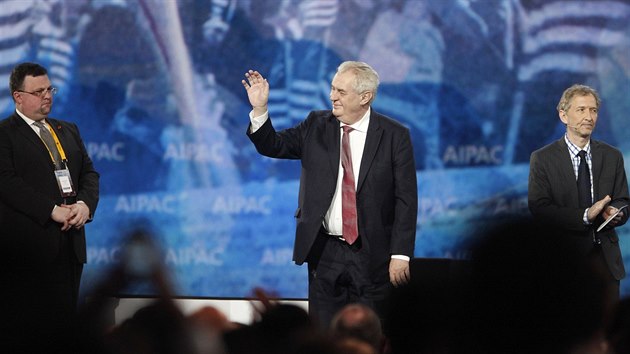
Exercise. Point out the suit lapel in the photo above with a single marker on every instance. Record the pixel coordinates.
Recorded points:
(30, 135)
(597, 158)
(332, 144)
(372, 141)
(56, 127)
(567, 175)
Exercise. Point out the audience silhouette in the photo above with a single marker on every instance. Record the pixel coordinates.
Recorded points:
(533, 291)
(525, 289)
(358, 322)
(618, 332)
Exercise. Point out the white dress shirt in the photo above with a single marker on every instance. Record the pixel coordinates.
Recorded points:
(333, 222)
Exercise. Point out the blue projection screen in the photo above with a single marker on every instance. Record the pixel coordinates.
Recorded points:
(154, 86)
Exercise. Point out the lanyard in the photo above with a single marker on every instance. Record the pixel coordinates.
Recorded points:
(62, 153)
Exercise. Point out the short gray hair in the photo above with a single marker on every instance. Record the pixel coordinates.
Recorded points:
(576, 90)
(366, 76)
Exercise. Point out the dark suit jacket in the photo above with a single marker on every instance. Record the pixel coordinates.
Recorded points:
(29, 191)
(387, 195)
(553, 195)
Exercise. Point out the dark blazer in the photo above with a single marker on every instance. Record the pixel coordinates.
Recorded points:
(553, 195)
(29, 191)
(387, 195)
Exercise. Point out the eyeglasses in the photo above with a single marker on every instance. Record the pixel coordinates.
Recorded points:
(42, 92)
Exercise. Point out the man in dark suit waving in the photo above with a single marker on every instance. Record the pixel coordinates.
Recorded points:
(576, 183)
(357, 207)
(48, 191)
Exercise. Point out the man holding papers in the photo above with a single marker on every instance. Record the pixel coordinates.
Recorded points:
(577, 183)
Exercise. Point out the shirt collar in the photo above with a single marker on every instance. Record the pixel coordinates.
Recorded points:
(28, 120)
(574, 149)
(363, 123)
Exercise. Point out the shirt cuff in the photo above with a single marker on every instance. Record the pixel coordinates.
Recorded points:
(401, 257)
(257, 122)
(585, 217)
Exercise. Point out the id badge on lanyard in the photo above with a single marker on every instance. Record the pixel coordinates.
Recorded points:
(64, 181)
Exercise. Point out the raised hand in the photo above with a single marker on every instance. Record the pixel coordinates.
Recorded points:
(257, 91)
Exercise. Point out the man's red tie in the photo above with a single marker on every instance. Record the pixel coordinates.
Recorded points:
(348, 192)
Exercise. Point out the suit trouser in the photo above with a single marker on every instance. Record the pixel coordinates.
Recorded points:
(40, 303)
(339, 275)
(599, 260)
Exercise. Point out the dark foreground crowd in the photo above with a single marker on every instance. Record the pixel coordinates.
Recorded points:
(523, 290)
